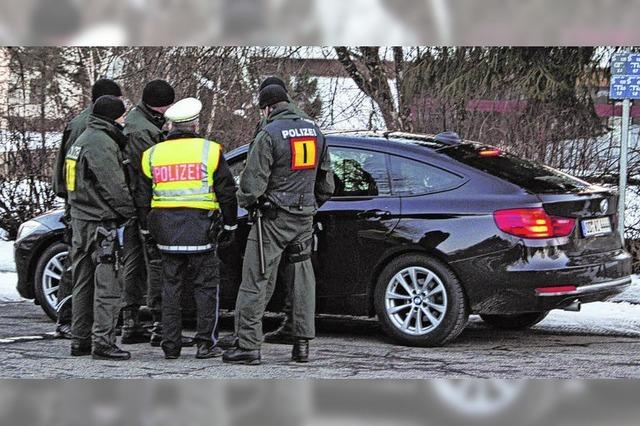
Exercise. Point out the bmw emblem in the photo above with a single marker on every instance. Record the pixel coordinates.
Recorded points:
(604, 206)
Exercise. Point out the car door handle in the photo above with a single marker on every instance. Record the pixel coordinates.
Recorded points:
(374, 214)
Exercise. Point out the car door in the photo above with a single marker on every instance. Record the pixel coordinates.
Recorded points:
(354, 226)
(430, 207)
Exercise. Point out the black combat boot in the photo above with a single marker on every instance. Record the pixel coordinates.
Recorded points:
(156, 330)
(111, 353)
(63, 331)
(207, 350)
(228, 342)
(241, 356)
(80, 347)
(283, 335)
(171, 351)
(300, 352)
(132, 331)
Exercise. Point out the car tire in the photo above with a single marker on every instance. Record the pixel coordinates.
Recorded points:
(514, 321)
(48, 261)
(438, 308)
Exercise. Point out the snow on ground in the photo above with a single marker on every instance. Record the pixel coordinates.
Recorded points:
(8, 276)
(8, 292)
(6, 257)
(632, 295)
(620, 319)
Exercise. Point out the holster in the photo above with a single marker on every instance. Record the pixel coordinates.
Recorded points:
(269, 210)
(216, 225)
(299, 251)
(106, 241)
(67, 235)
(150, 246)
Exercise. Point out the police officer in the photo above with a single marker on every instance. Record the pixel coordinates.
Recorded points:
(143, 128)
(284, 333)
(100, 203)
(71, 133)
(192, 185)
(286, 272)
(288, 167)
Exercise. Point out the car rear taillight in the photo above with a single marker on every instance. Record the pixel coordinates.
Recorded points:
(533, 223)
(490, 153)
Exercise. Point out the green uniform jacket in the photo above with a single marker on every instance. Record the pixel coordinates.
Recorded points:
(71, 133)
(101, 192)
(255, 177)
(143, 129)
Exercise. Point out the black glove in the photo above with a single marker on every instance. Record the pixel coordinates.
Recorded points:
(226, 245)
(226, 237)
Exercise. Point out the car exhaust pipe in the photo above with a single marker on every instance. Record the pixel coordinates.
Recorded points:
(575, 306)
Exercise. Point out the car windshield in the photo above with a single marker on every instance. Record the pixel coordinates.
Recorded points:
(533, 177)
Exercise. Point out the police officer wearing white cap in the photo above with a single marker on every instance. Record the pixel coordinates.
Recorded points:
(192, 187)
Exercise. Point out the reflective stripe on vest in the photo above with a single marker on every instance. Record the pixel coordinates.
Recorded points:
(185, 249)
(173, 182)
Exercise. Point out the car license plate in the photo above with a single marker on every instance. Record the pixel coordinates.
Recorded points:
(598, 226)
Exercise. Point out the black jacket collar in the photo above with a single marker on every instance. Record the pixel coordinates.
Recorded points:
(283, 112)
(179, 134)
(153, 116)
(110, 127)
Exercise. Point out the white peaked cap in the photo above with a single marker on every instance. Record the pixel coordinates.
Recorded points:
(184, 110)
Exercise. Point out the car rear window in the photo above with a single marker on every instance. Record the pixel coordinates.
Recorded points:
(415, 178)
(533, 177)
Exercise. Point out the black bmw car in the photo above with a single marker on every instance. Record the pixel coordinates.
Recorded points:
(423, 232)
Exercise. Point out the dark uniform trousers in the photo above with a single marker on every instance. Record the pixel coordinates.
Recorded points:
(133, 270)
(256, 289)
(286, 276)
(97, 292)
(142, 270)
(202, 270)
(153, 261)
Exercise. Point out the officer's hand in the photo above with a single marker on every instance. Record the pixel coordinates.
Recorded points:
(226, 236)
(226, 245)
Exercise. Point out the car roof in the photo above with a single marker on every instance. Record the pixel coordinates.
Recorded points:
(390, 142)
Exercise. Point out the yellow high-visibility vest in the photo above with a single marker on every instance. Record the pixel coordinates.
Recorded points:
(182, 173)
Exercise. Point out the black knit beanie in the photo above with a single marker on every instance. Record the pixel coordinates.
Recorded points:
(110, 107)
(158, 93)
(273, 80)
(104, 87)
(272, 94)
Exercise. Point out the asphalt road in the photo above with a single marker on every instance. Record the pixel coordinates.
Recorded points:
(344, 349)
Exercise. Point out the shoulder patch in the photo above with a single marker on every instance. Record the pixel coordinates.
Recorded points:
(74, 152)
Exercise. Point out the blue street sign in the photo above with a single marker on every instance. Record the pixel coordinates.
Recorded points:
(625, 64)
(625, 87)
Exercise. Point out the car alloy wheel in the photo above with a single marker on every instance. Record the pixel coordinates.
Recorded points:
(51, 276)
(419, 301)
(416, 301)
